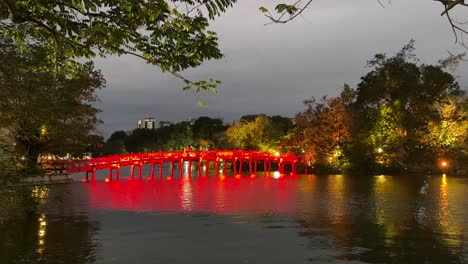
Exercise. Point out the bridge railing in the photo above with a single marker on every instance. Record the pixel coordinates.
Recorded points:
(176, 156)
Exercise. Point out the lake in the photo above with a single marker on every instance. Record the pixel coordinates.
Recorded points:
(247, 219)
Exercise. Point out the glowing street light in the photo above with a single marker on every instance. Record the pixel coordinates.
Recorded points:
(380, 150)
(276, 175)
(444, 164)
(277, 154)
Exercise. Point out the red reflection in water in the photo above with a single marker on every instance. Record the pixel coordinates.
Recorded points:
(221, 195)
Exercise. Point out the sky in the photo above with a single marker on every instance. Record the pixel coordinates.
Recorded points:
(272, 69)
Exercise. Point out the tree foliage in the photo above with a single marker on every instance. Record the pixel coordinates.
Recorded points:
(285, 12)
(258, 132)
(173, 35)
(402, 116)
(45, 111)
(322, 128)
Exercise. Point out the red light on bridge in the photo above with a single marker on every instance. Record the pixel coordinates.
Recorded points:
(238, 176)
(107, 180)
(170, 178)
(253, 176)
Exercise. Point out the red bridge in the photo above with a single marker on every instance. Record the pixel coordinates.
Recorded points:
(235, 158)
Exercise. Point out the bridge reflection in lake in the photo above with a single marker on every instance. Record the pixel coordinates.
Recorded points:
(228, 219)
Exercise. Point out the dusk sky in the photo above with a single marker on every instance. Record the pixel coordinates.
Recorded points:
(272, 69)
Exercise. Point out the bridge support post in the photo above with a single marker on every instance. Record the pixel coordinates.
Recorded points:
(250, 167)
(216, 167)
(293, 165)
(111, 169)
(255, 166)
(199, 168)
(190, 168)
(132, 172)
(234, 165)
(240, 166)
(264, 167)
(117, 172)
(152, 171)
(87, 176)
(93, 175)
(140, 172)
(181, 168)
(207, 167)
(172, 168)
(225, 164)
(161, 169)
(269, 167)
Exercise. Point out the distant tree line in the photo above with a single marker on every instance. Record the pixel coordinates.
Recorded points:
(401, 117)
(250, 132)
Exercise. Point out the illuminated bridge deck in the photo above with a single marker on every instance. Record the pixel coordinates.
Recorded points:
(284, 162)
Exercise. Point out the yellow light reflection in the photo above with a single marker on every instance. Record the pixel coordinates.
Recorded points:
(389, 195)
(40, 194)
(451, 211)
(337, 198)
(443, 211)
(41, 233)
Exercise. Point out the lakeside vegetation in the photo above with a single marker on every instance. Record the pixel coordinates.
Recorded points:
(402, 117)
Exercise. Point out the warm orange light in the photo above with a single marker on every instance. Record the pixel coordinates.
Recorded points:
(169, 178)
(222, 177)
(238, 176)
(444, 164)
(252, 176)
(107, 180)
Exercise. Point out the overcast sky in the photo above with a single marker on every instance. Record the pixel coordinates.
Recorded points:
(272, 69)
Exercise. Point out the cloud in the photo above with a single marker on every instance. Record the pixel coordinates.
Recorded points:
(272, 69)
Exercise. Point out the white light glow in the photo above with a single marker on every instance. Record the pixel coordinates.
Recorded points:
(276, 175)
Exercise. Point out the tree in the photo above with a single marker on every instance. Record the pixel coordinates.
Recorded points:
(322, 129)
(289, 10)
(253, 135)
(447, 135)
(141, 140)
(394, 103)
(173, 35)
(45, 111)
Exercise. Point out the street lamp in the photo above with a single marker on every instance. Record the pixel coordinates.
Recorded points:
(444, 164)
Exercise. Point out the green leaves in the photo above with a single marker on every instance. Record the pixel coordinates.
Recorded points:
(290, 9)
(207, 86)
(46, 110)
(167, 34)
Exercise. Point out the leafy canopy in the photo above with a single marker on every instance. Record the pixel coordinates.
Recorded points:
(45, 111)
(172, 34)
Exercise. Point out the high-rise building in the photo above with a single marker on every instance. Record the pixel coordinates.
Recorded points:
(148, 123)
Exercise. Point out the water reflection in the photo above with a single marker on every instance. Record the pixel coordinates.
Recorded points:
(317, 219)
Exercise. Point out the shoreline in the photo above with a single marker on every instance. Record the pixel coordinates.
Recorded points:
(47, 179)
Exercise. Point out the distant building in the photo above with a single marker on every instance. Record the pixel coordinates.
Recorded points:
(148, 123)
(165, 123)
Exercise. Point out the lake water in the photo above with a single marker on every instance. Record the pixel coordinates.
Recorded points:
(248, 219)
